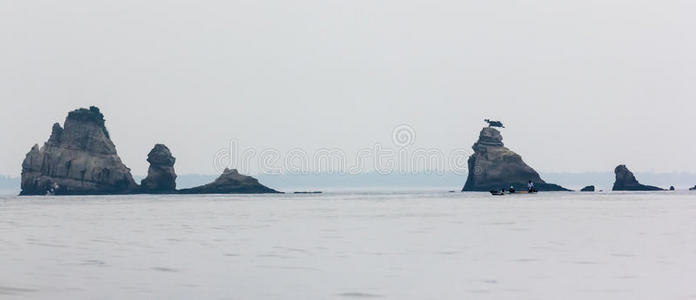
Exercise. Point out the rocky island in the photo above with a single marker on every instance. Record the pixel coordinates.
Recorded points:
(230, 182)
(79, 158)
(626, 181)
(494, 167)
(589, 188)
(161, 177)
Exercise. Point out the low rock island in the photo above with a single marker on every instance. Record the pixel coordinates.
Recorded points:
(589, 188)
(231, 182)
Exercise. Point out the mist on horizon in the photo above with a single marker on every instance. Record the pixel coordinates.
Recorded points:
(581, 87)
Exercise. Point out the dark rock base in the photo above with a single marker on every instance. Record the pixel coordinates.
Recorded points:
(589, 188)
(541, 187)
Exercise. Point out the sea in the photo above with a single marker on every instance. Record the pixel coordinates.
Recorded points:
(350, 245)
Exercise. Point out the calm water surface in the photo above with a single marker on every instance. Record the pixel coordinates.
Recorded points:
(350, 246)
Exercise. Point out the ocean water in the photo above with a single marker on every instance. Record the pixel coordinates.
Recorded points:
(427, 245)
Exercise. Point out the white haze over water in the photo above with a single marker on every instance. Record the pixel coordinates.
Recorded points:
(350, 246)
(581, 85)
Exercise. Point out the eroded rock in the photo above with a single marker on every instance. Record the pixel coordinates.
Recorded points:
(161, 177)
(494, 167)
(77, 159)
(626, 181)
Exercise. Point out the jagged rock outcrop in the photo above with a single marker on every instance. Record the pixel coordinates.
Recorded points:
(671, 188)
(589, 188)
(494, 167)
(626, 181)
(78, 159)
(231, 182)
(161, 177)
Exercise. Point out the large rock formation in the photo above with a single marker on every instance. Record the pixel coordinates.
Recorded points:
(77, 159)
(625, 181)
(161, 177)
(494, 167)
(589, 188)
(231, 182)
(80, 159)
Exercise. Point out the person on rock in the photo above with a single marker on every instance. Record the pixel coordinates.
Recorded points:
(530, 187)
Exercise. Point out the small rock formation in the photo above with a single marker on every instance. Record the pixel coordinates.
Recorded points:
(78, 159)
(161, 177)
(231, 182)
(589, 188)
(671, 188)
(625, 181)
(494, 167)
(693, 188)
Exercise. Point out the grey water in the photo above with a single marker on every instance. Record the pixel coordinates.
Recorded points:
(416, 245)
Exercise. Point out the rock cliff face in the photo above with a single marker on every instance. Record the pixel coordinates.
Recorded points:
(231, 182)
(625, 181)
(493, 167)
(77, 159)
(161, 177)
(589, 188)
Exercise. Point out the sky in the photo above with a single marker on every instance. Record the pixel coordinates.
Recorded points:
(580, 85)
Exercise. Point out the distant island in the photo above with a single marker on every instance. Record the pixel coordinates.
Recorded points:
(626, 181)
(79, 158)
(495, 167)
(589, 188)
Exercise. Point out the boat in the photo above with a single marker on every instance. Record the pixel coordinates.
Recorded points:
(501, 193)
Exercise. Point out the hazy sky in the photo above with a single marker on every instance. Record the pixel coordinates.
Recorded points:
(581, 85)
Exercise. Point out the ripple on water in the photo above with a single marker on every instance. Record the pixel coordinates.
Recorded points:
(526, 260)
(165, 269)
(295, 250)
(622, 255)
(9, 290)
(274, 255)
(359, 295)
(586, 262)
(94, 262)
